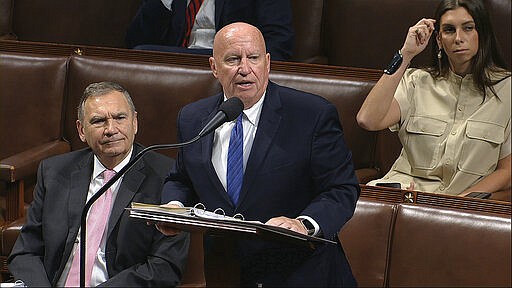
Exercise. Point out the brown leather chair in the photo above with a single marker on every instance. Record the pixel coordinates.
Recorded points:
(32, 99)
(448, 247)
(365, 239)
(307, 23)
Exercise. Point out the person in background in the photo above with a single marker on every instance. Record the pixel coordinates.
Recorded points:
(189, 26)
(452, 118)
(121, 251)
(292, 168)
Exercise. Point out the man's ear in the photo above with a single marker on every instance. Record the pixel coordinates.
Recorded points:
(135, 123)
(268, 62)
(80, 129)
(213, 67)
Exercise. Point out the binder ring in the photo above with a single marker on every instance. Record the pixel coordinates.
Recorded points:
(239, 216)
(219, 211)
(199, 209)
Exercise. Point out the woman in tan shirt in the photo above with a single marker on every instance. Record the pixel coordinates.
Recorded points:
(452, 118)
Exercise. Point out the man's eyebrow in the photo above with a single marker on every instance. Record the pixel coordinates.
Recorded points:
(96, 118)
(121, 113)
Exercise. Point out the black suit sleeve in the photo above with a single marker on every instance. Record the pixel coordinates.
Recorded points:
(333, 174)
(274, 19)
(150, 25)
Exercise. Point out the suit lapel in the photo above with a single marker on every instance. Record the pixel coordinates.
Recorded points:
(79, 187)
(77, 191)
(130, 184)
(267, 128)
(206, 151)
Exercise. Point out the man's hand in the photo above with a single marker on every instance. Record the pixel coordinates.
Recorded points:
(165, 228)
(288, 223)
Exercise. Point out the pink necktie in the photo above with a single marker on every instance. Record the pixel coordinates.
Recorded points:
(96, 223)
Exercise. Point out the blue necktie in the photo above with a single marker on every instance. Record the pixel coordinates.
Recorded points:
(235, 173)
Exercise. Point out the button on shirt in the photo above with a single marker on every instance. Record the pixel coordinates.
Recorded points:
(452, 137)
(99, 270)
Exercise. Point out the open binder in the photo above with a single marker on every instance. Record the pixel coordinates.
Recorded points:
(197, 218)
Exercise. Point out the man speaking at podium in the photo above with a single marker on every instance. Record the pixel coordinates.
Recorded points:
(283, 162)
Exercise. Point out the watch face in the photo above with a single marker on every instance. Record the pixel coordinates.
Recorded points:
(309, 226)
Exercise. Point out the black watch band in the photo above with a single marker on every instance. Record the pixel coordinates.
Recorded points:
(310, 228)
(395, 63)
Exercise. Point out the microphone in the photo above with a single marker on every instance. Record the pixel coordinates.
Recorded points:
(229, 110)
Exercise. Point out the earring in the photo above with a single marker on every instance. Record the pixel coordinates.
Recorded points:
(439, 56)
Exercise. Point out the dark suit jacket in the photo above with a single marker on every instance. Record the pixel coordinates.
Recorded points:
(299, 165)
(154, 24)
(136, 254)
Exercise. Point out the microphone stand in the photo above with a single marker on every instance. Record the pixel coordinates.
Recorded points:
(104, 188)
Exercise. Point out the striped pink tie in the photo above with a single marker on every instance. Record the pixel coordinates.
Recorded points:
(96, 223)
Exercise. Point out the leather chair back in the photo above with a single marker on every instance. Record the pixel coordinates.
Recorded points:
(32, 107)
(445, 247)
(366, 238)
(307, 23)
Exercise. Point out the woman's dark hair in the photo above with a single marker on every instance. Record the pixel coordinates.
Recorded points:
(487, 59)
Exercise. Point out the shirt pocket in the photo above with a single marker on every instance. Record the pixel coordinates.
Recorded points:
(481, 147)
(423, 143)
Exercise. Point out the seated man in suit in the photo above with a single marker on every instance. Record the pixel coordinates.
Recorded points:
(188, 26)
(294, 169)
(120, 250)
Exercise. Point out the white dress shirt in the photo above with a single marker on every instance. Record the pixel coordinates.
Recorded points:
(203, 30)
(99, 270)
(250, 120)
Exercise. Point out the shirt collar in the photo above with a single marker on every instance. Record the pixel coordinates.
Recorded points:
(253, 114)
(99, 168)
(468, 78)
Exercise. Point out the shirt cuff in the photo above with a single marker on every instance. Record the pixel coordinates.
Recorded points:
(317, 227)
(175, 202)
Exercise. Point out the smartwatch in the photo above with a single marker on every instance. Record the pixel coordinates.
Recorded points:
(308, 225)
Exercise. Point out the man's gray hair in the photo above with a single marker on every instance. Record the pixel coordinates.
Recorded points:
(100, 89)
